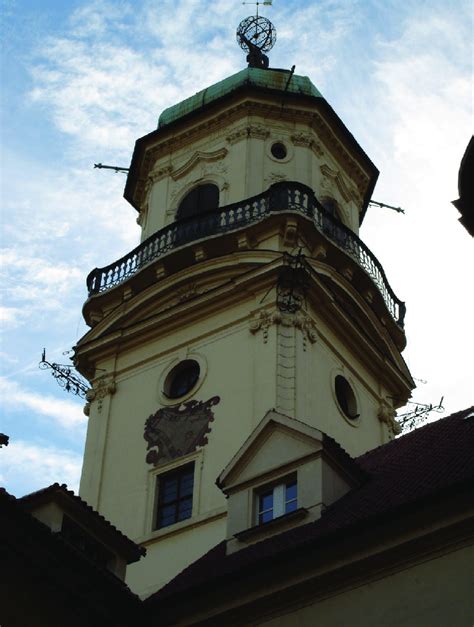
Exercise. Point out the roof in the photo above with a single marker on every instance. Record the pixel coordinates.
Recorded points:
(429, 462)
(51, 582)
(274, 419)
(274, 80)
(85, 514)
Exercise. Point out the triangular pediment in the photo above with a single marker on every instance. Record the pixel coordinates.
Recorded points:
(277, 442)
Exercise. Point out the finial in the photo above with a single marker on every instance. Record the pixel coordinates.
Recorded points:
(256, 35)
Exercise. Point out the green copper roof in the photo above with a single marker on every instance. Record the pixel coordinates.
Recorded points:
(266, 79)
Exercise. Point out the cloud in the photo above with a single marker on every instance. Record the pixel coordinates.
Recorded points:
(65, 413)
(26, 467)
(10, 316)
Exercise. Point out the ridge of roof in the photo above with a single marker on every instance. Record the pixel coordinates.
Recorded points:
(133, 550)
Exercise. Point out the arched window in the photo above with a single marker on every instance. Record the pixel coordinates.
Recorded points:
(332, 207)
(200, 199)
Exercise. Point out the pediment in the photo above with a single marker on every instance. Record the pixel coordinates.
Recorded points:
(197, 158)
(277, 442)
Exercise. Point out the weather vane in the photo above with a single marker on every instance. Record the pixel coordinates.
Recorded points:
(256, 35)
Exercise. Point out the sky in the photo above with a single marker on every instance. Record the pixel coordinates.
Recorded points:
(81, 80)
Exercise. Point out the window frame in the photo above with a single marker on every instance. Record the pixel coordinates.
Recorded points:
(198, 205)
(280, 500)
(180, 472)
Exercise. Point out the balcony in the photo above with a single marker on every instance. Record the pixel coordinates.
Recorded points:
(284, 197)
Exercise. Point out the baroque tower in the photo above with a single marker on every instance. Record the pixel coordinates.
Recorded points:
(250, 291)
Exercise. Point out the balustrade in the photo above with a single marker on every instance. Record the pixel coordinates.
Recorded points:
(281, 197)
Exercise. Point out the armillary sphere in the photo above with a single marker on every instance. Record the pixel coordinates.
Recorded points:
(256, 31)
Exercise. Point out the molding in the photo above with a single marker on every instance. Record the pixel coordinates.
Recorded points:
(244, 109)
(257, 131)
(347, 192)
(197, 157)
(307, 140)
(386, 414)
(265, 319)
(102, 387)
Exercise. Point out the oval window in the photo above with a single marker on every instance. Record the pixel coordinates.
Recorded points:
(278, 150)
(199, 200)
(181, 379)
(346, 397)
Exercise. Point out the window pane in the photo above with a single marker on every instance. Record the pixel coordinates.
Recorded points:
(291, 491)
(290, 506)
(186, 486)
(167, 515)
(169, 491)
(266, 501)
(185, 509)
(265, 517)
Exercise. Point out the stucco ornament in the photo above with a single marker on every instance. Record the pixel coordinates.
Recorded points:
(387, 414)
(264, 319)
(100, 389)
(176, 431)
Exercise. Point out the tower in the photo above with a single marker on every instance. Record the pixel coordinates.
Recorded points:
(250, 291)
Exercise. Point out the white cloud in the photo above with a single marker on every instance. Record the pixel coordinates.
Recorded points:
(10, 316)
(64, 413)
(27, 467)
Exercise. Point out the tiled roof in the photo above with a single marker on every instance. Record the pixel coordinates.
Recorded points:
(49, 579)
(131, 551)
(429, 462)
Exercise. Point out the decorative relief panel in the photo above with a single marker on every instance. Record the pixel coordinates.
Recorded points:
(176, 431)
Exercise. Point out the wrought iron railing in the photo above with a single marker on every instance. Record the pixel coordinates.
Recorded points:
(281, 197)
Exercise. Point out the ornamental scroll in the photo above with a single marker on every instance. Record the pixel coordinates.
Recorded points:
(176, 431)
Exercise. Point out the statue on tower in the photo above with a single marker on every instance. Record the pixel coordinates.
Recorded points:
(256, 35)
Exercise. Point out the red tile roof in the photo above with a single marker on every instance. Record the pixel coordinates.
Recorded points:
(432, 461)
(89, 516)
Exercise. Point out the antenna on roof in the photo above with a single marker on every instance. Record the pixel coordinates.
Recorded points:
(266, 3)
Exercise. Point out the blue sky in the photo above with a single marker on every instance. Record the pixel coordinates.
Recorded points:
(81, 80)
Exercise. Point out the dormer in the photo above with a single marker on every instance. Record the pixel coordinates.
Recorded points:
(283, 476)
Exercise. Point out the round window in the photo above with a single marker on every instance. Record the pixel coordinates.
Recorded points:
(278, 150)
(181, 379)
(346, 397)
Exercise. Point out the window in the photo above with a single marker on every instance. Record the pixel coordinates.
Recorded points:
(182, 378)
(175, 496)
(200, 199)
(277, 501)
(278, 150)
(346, 397)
